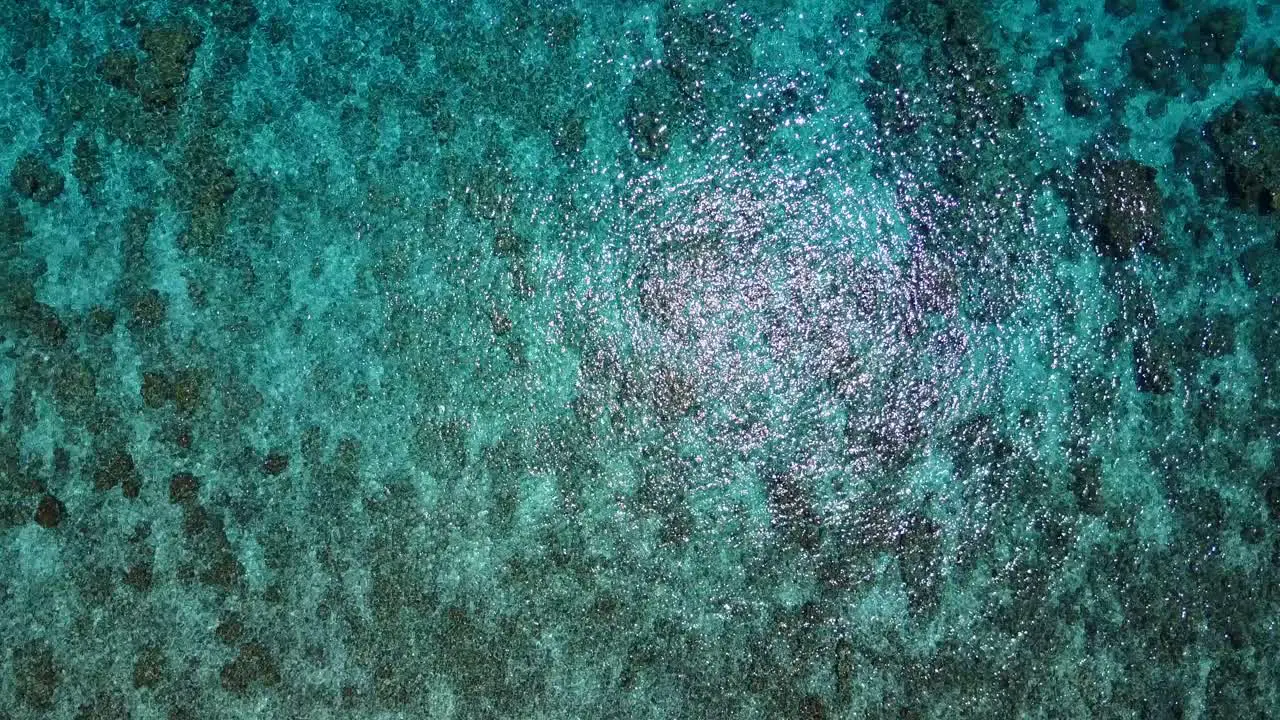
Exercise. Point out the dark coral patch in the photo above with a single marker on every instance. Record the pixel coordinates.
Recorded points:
(1152, 368)
(208, 185)
(1260, 266)
(182, 436)
(1212, 37)
(1155, 61)
(42, 323)
(101, 321)
(106, 705)
(156, 389)
(139, 577)
(35, 675)
(188, 393)
(506, 243)
(674, 394)
(196, 521)
(35, 179)
(13, 226)
(222, 570)
(1124, 207)
(86, 165)
(183, 488)
(131, 486)
(791, 509)
(500, 323)
(149, 667)
(61, 460)
(148, 310)
(162, 79)
(1086, 485)
(255, 666)
(654, 109)
(114, 468)
(1272, 65)
(216, 564)
(275, 463)
(1247, 140)
(119, 69)
(1078, 100)
(1273, 499)
(1121, 8)
(50, 512)
(235, 15)
(74, 386)
(230, 630)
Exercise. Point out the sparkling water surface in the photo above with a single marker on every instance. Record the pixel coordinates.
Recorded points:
(778, 359)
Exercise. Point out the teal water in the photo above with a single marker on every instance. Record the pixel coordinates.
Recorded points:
(783, 359)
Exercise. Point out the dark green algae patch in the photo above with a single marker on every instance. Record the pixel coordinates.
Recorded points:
(660, 360)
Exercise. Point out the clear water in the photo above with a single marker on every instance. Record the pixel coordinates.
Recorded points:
(639, 360)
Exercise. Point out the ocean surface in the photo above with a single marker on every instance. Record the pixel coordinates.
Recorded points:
(780, 359)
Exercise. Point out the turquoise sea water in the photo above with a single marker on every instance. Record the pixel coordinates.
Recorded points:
(908, 359)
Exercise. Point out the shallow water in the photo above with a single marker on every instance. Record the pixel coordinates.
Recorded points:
(639, 360)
